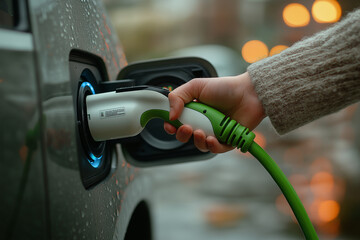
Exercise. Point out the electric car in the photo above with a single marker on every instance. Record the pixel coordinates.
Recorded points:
(56, 181)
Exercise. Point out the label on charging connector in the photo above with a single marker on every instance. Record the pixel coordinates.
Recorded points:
(110, 113)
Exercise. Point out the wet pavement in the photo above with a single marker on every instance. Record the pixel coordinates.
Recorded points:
(218, 205)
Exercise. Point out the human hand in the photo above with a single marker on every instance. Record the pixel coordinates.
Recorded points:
(233, 96)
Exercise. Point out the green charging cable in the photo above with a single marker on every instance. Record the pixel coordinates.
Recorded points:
(232, 133)
(286, 188)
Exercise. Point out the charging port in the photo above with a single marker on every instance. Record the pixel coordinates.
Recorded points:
(87, 72)
(94, 150)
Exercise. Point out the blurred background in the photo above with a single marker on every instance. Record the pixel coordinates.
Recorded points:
(232, 196)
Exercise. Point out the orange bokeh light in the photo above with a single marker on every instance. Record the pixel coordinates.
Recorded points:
(260, 139)
(322, 184)
(328, 210)
(277, 49)
(296, 15)
(254, 50)
(326, 11)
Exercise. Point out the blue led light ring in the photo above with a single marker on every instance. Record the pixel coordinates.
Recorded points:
(87, 84)
(94, 161)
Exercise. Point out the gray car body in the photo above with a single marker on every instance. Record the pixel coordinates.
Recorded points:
(35, 89)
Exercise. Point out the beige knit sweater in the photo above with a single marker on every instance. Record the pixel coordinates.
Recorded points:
(315, 77)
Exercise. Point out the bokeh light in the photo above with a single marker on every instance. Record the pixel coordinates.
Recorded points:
(326, 11)
(277, 49)
(254, 50)
(322, 183)
(296, 15)
(328, 210)
(260, 139)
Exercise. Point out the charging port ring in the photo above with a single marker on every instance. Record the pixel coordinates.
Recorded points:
(93, 150)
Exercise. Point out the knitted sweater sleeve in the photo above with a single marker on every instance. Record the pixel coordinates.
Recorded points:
(315, 77)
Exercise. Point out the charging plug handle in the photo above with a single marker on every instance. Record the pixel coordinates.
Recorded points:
(225, 129)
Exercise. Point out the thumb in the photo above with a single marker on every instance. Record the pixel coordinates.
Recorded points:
(184, 94)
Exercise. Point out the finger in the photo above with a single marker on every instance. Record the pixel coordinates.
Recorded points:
(200, 140)
(184, 94)
(216, 147)
(184, 133)
(176, 106)
(170, 129)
